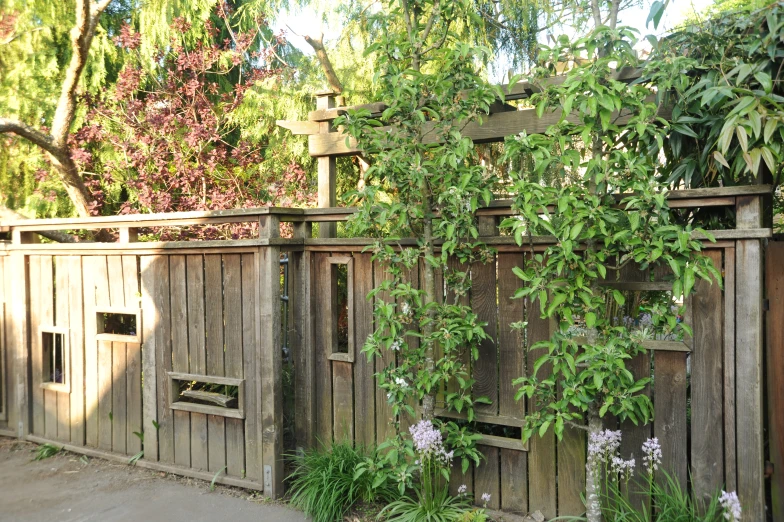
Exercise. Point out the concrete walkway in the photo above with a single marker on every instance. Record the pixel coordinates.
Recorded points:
(67, 488)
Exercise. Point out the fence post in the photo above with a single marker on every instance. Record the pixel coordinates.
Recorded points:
(774, 282)
(748, 360)
(19, 386)
(326, 167)
(302, 341)
(270, 363)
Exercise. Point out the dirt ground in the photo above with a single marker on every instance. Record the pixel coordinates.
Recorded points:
(71, 488)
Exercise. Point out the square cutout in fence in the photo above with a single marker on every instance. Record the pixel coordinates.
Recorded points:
(341, 289)
(54, 359)
(212, 395)
(118, 324)
(496, 430)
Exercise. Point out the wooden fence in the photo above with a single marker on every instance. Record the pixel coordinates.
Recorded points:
(209, 311)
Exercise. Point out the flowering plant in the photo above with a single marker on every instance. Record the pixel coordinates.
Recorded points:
(431, 468)
(665, 495)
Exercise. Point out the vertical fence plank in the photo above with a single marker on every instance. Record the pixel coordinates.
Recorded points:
(180, 363)
(36, 346)
(198, 355)
(250, 368)
(47, 318)
(76, 322)
(133, 353)
(163, 357)
(410, 276)
(302, 343)
(635, 435)
(364, 382)
(323, 322)
(101, 279)
(384, 421)
(343, 400)
(21, 327)
(774, 284)
(151, 324)
(514, 463)
(119, 398)
(748, 365)
(707, 463)
(89, 264)
(484, 302)
(271, 366)
(730, 455)
(458, 477)
(486, 477)
(232, 314)
(669, 401)
(213, 301)
(541, 455)
(63, 319)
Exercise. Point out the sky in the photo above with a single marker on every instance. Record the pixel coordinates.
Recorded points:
(295, 24)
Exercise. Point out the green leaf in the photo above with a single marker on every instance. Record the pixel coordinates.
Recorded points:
(719, 157)
(590, 319)
(619, 298)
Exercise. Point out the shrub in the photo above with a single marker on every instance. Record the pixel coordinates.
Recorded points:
(327, 482)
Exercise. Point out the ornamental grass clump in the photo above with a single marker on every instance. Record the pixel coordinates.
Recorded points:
(430, 501)
(326, 484)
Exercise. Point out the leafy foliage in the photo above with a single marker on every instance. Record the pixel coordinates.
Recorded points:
(598, 234)
(425, 182)
(44, 451)
(327, 483)
(724, 77)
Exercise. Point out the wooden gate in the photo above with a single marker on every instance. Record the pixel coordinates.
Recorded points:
(689, 379)
(166, 355)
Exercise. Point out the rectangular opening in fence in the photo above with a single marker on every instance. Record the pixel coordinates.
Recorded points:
(117, 324)
(342, 302)
(54, 359)
(496, 430)
(212, 395)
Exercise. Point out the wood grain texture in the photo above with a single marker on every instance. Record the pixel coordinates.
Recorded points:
(484, 302)
(197, 354)
(119, 401)
(301, 340)
(250, 367)
(730, 454)
(669, 401)
(63, 319)
(133, 368)
(323, 345)
(77, 328)
(233, 361)
(487, 478)
(20, 331)
(748, 366)
(213, 303)
(271, 363)
(384, 420)
(37, 395)
(343, 401)
(180, 357)
(151, 319)
(541, 454)
(90, 352)
(364, 382)
(412, 277)
(707, 400)
(512, 364)
(774, 286)
(46, 318)
(635, 435)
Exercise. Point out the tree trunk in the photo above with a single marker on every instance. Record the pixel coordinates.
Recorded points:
(593, 479)
(429, 400)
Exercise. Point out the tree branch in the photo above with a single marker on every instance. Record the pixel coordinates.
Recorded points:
(321, 54)
(32, 135)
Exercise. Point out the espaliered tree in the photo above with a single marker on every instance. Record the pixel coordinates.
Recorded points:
(424, 182)
(609, 212)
